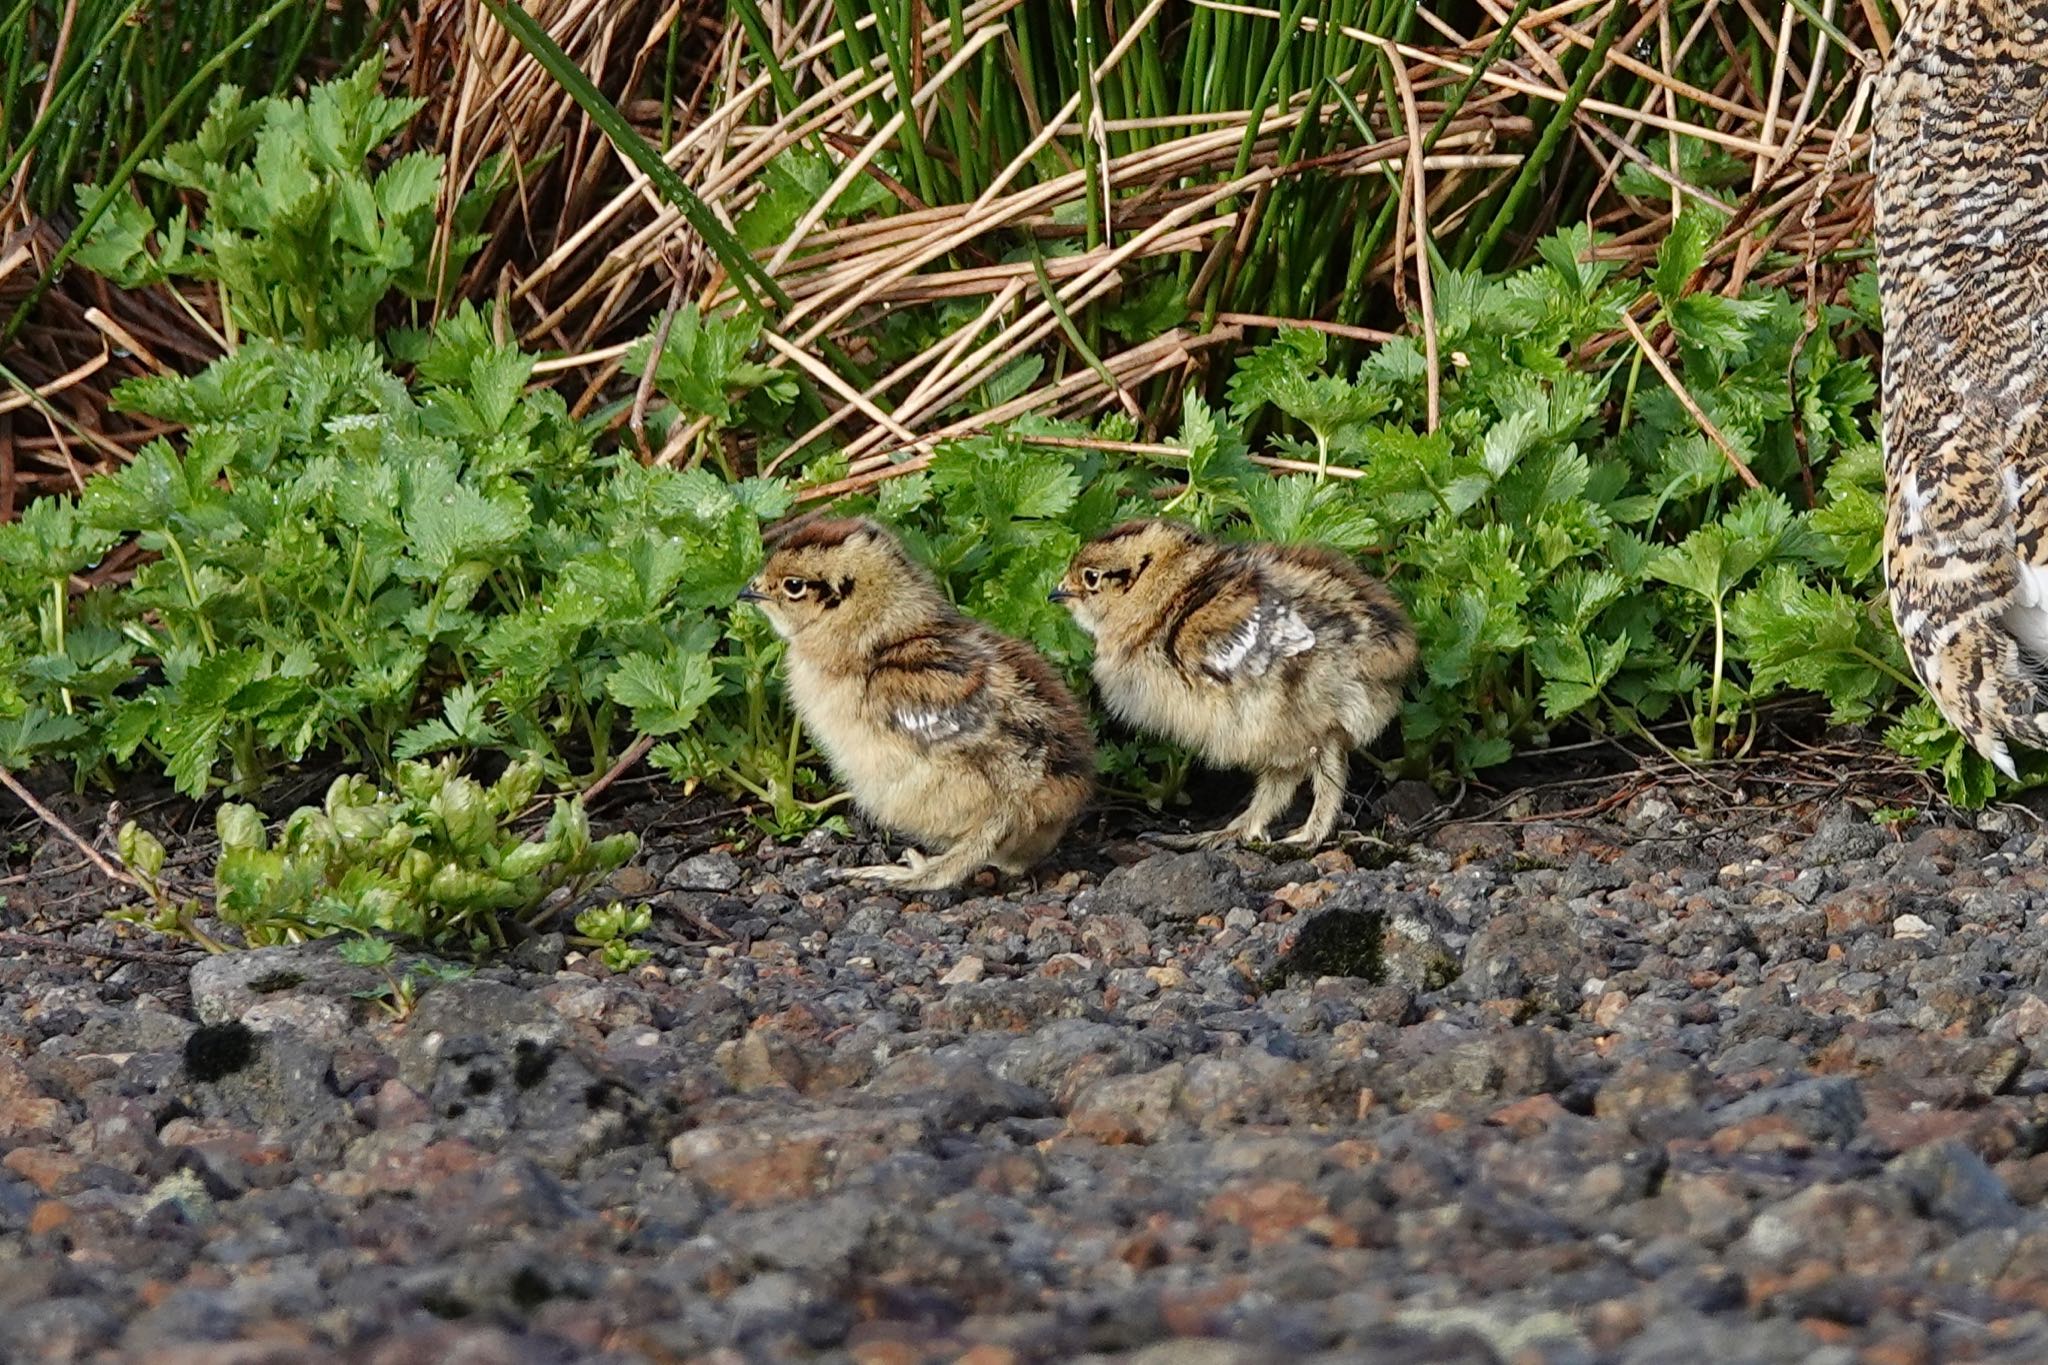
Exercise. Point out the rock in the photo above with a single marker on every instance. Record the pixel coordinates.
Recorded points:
(1535, 958)
(1125, 1109)
(1337, 942)
(1479, 1069)
(26, 1113)
(707, 872)
(1268, 1210)
(820, 1236)
(481, 1016)
(1067, 1055)
(1655, 1096)
(1845, 835)
(1116, 940)
(72, 1328)
(226, 985)
(774, 1156)
(285, 1089)
(1171, 888)
(765, 1057)
(1011, 1006)
(317, 1018)
(1826, 1110)
(1415, 948)
(2026, 1020)
(1549, 1090)
(1950, 1182)
(956, 1090)
(543, 953)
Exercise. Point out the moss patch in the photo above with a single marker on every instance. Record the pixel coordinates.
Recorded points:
(216, 1051)
(1335, 943)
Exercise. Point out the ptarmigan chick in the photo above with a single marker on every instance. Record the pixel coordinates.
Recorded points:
(961, 738)
(1280, 659)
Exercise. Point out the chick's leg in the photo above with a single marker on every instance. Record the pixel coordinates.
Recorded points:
(1333, 768)
(1270, 798)
(948, 869)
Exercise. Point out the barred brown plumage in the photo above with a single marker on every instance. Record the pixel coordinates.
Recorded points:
(1959, 151)
(958, 736)
(1278, 659)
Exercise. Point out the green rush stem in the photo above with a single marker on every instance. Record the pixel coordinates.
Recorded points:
(900, 50)
(968, 146)
(15, 28)
(1383, 222)
(1881, 666)
(859, 53)
(668, 85)
(191, 591)
(1092, 170)
(1553, 135)
(59, 600)
(1290, 25)
(746, 273)
(1052, 301)
(1720, 661)
(203, 78)
(80, 74)
(757, 33)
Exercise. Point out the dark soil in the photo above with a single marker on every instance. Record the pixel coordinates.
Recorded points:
(1623, 1071)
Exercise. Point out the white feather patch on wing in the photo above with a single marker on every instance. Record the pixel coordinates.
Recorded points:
(930, 725)
(2026, 616)
(1273, 631)
(2001, 759)
(1915, 502)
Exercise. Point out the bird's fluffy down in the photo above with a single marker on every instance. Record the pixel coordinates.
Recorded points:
(941, 728)
(1278, 659)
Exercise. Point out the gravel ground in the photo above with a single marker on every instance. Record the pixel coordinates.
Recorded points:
(1684, 1079)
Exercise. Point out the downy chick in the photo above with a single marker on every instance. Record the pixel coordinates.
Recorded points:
(1279, 659)
(962, 738)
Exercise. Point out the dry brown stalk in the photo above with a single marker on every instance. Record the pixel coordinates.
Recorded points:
(584, 257)
(1685, 399)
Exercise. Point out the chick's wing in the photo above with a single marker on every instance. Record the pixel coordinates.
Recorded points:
(934, 688)
(1268, 630)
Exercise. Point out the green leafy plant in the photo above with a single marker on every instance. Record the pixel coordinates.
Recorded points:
(371, 556)
(300, 237)
(436, 862)
(610, 929)
(400, 993)
(1564, 572)
(143, 854)
(409, 551)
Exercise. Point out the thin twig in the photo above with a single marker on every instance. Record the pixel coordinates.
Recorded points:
(637, 423)
(1678, 390)
(44, 944)
(1335, 329)
(56, 822)
(1424, 288)
(635, 751)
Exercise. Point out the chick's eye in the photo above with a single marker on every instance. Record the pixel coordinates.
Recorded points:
(793, 587)
(1091, 578)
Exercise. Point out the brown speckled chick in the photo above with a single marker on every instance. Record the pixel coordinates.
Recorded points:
(1279, 659)
(961, 738)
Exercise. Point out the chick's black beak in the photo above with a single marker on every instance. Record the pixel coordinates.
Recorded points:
(747, 594)
(1059, 595)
